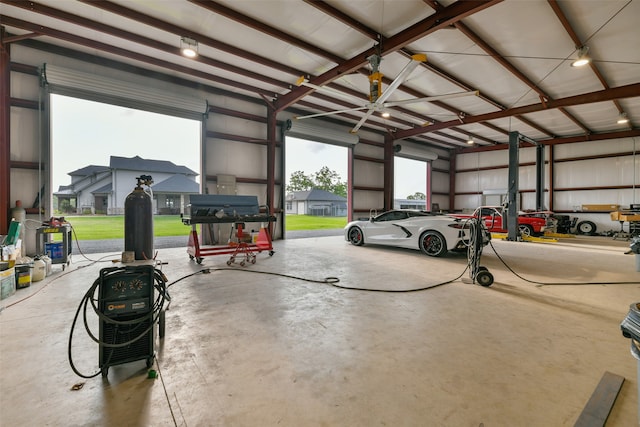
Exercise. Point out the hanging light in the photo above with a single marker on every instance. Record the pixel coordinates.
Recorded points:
(386, 114)
(470, 140)
(189, 47)
(583, 58)
(622, 118)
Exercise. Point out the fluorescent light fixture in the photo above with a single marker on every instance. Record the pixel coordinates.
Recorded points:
(622, 119)
(189, 47)
(469, 140)
(583, 58)
(386, 114)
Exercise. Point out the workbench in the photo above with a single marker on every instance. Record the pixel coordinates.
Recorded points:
(632, 217)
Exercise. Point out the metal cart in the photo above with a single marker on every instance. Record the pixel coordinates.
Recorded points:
(59, 252)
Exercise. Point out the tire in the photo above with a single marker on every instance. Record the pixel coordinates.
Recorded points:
(586, 227)
(355, 236)
(525, 229)
(433, 243)
(484, 278)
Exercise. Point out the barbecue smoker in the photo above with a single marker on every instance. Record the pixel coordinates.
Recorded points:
(239, 211)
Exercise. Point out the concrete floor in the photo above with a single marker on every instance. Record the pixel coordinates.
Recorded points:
(247, 349)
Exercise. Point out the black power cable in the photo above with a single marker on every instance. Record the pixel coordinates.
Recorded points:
(332, 281)
(556, 283)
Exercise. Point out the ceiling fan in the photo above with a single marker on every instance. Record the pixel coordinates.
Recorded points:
(377, 98)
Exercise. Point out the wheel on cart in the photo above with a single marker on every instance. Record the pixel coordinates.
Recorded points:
(199, 260)
(484, 278)
(149, 361)
(253, 260)
(191, 257)
(104, 371)
(271, 253)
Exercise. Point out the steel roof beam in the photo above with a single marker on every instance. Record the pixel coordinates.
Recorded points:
(372, 34)
(627, 91)
(438, 20)
(493, 53)
(578, 43)
(19, 23)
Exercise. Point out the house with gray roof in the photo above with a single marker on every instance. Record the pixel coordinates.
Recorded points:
(103, 189)
(315, 202)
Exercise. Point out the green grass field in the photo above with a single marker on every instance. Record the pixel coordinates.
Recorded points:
(112, 227)
(308, 222)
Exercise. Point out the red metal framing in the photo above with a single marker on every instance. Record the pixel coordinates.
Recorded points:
(5, 133)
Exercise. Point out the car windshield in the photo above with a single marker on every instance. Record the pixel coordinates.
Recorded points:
(398, 215)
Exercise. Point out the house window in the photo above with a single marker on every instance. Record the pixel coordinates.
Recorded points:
(172, 201)
(289, 206)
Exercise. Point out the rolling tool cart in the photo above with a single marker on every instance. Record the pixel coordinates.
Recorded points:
(59, 252)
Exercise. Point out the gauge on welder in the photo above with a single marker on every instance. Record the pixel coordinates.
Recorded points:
(136, 284)
(120, 285)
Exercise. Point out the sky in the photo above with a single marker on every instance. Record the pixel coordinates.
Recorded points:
(88, 133)
(309, 157)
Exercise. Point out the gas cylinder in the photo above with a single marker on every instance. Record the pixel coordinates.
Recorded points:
(138, 221)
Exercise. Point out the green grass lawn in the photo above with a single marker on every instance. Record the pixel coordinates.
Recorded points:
(91, 227)
(308, 222)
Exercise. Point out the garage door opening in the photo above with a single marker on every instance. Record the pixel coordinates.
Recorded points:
(315, 186)
(98, 149)
(410, 184)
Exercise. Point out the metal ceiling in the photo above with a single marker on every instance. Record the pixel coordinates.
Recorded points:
(516, 53)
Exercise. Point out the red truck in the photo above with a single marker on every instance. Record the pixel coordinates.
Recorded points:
(494, 219)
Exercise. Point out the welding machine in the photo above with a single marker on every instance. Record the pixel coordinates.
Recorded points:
(128, 311)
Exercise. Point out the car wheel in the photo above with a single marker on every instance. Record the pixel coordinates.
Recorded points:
(525, 230)
(586, 227)
(433, 243)
(355, 236)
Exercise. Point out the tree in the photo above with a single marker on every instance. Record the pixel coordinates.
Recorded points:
(300, 182)
(329, 180)
(325, 179)
(417, 196)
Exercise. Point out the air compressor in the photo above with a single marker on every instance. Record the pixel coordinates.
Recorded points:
(138, 220)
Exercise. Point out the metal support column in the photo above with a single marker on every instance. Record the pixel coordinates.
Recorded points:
(389, 159)
(272, 125)
(512, 192)
(540, 177)
(5, 133)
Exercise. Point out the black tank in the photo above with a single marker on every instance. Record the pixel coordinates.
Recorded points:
(138, 221)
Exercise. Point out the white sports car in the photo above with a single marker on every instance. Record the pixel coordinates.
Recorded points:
(433, 234)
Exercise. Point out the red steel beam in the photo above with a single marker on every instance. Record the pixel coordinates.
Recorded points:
(438, 20)
(627, 91)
